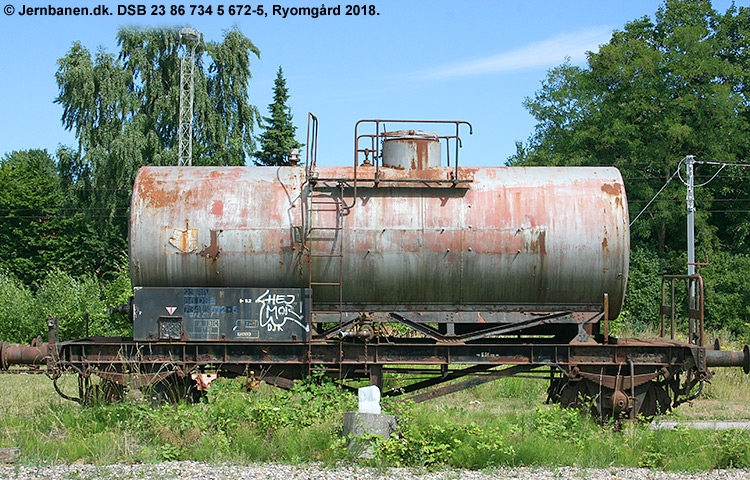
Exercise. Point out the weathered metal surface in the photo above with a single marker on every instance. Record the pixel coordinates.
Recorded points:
(411, 150)
(516, 239)
(228, 314)
(622, 376)
(626, 382)
(719, 358)
(464, 384)
(204, 226)
(17, 354)
(101, 353)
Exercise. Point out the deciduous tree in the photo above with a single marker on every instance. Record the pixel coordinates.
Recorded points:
(659, 90)
(124, 111)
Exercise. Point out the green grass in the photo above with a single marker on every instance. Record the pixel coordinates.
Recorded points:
(498, 423)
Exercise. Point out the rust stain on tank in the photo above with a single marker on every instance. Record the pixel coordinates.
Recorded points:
(422, 160)
(152, 190)
(213, 250)
(535, 241)
(612, 189)
(542, 243)
(217, 208)
(186, 241)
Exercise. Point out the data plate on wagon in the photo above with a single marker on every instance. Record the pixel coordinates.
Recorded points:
(221, 314)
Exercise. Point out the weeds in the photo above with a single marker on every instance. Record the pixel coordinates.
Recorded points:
(304, 424)
(426, 441)
(733, 449)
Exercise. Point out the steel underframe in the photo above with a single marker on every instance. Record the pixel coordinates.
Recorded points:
(117, 354)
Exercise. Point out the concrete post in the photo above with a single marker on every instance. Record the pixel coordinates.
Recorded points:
(359, 426)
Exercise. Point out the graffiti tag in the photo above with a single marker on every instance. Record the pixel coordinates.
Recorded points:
(277, 309)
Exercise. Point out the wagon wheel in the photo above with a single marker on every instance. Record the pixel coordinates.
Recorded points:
(568, 393)
(173, 390)
(656, 401)
(92, 392)
(601, 408)
(573, 394)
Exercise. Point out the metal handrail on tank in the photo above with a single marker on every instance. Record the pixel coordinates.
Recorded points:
(375, 150)
(375, 138)
(311, 152)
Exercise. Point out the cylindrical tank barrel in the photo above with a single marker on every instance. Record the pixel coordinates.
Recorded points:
(507, 239)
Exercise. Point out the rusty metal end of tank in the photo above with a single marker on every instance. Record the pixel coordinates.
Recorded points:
(746, 362)
(3, 347)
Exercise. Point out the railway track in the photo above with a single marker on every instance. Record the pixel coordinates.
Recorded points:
(22, 371)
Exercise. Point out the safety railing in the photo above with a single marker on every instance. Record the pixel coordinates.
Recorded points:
(373, 156)
(696, 334)
(311, 150)
(375, 150)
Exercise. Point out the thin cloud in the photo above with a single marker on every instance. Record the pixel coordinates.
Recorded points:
(541, 54)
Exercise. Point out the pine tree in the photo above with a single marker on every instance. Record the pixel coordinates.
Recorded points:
(277, 138)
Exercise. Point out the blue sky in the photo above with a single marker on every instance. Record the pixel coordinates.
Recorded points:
(445, 60)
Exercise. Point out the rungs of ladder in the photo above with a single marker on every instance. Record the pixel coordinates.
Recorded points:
(326, 228)
(326, 284)
(325, 255)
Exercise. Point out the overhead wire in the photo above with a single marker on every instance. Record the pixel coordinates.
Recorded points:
(657, 193)
(714, 176)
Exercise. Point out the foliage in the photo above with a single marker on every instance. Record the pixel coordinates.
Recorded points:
(446, 433)
(124, 112)
(424, 440)
(733, 449)
(277, 138)
(659, 90)
(45, 222)
(727, 292)
(307, 403)
(23, 313)
(641, 308)
(662, 88)
(19, 313)
(561, 423)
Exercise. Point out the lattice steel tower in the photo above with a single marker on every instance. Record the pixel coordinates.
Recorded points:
(189, 39)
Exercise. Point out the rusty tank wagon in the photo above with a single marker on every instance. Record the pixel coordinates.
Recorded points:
(404, 262)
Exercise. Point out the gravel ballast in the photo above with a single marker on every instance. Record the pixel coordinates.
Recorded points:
(269, 471)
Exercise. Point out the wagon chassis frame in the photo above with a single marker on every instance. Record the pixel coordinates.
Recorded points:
(627, 365)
